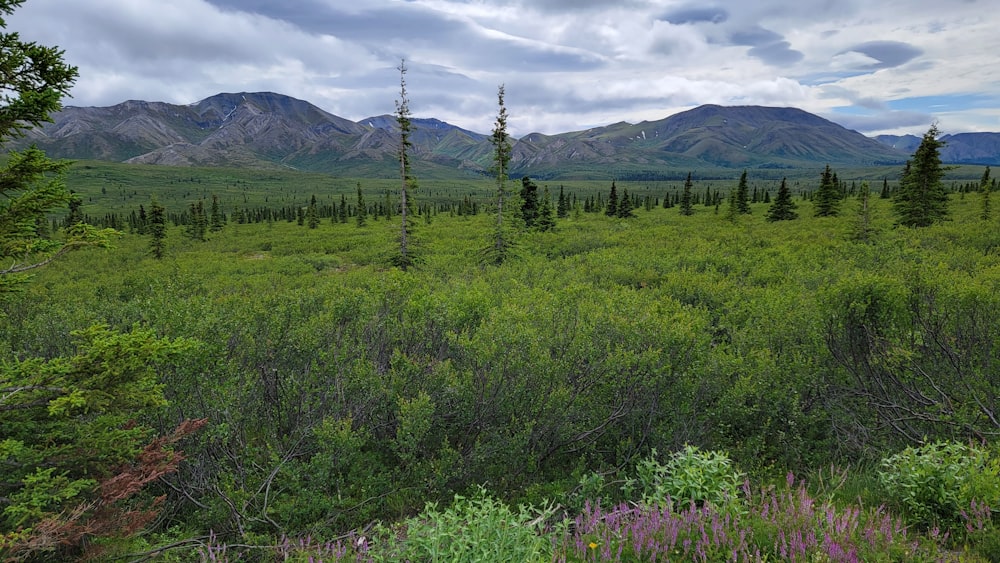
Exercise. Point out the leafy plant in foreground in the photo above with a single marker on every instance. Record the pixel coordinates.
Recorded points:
(477, 528)
(690, 476)
(935, 483)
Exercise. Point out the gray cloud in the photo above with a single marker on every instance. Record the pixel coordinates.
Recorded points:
(755, 36)
(696, 14)
(389, 29)
(888, 53)
(564, 6)
(777, 54)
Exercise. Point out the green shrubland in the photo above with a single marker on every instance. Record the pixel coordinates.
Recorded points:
(343, 395)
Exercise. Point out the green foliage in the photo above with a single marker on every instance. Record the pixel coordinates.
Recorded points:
(625, 206)
(922, 198)
(501, 245)
(937, 483)
(611, 209)
(689, 476)
(342, 392)
(891, 332)
(864, 229)
(361, 215)
(406, 257)
(687, 200)
(741, 198)
(530, 206)
(157, 228)
(70, 423)
(826, 200)
(783, 208)
(546, 222)
(34, 82)
(476, 528)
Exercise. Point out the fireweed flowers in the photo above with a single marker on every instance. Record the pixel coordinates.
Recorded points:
(786, 524)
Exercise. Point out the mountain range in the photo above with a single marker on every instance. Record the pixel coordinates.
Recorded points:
(267, 130)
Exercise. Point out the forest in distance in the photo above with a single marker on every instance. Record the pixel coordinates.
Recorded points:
(211, 364)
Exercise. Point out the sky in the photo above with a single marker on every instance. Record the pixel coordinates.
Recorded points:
(875, 66)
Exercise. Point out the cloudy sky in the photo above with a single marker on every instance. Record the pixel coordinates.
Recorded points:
(877, 66)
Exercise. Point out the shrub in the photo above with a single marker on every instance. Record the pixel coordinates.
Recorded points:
(935, 483)
(479, 528)
(689, 476)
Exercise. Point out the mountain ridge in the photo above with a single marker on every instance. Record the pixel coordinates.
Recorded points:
(267, 130)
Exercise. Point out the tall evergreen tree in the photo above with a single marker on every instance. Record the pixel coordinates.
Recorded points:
(215, 220)
(922, 198)
(826, 200)
(142, 223)
(408, 183)
(529, 202)
(562, 208)
(312, 214)
(157, 228)
(742, 199)
(501, 246)
(783, 208)
(198, 223)
(33, 81)
(687, 205)
(863, 229)
(75, 216)
(625, 206)
(612, 208)
(342, 210)
(362, 213)
(546, 222)
(732, 210)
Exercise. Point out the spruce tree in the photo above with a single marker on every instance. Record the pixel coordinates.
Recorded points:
(157, 228)
(732, 211)
(312, 214)
(545, 220)
(562, 208)
(142, 224)
(75, 215)
(625, 206)
(742, 198)
(408, 183)
(863, 229)
(612, 208)
(215, 220)
(783, 208)
(362, 213)
(342, 210)
(687, 206)
(826, 200)
(33, 82)
(529, 202)
(922, 198)
(501, 246)
(197, 222)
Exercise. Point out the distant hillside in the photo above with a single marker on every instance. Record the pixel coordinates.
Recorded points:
(960, 148)
(268, 130)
